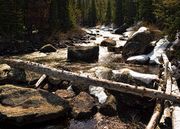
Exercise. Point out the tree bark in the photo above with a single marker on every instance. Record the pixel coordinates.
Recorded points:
(65, 75)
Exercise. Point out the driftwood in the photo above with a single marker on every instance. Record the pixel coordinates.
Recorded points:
(41, 79)
(65, 75)
(156, 114)
(167, 111)
(168, 86)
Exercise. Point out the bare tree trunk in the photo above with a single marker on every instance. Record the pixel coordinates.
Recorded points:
(65, 75)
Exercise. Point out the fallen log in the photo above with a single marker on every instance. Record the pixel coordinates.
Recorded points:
(167, 111)
(66, 75)
(168, 86)
(156, 114)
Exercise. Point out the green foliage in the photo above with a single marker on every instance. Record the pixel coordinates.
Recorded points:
(11, 18)
(92, 16)
(65, 19)
(167, 13)
(118, 13)
(109, 16)
(145, 10)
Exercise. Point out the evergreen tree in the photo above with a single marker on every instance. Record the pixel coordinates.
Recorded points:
(65, 18)
(11, 18)
(92, 14)
(118, 13)
(109, 16)
(145, 10)
(53, 17)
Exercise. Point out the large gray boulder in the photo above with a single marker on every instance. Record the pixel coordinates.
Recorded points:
(138, 44)
(86, 54)
(22, 106)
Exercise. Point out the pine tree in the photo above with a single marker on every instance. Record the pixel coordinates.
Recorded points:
(11, 18)
(53, 18)
(92, 14)
(119, 13)
(109, 16)
(145, 10)
(65, 18)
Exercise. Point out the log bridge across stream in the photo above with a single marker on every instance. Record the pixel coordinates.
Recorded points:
(162, 110)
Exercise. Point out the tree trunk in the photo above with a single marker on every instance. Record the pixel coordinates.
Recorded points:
(65, 75)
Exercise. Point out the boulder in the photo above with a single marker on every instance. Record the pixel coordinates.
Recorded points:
(22, 106)
(11, 75)
(48, 48)
(83, 106)
(65, 94)
(93, 38)
(138, 44)
(108, 42)
(86, 54)
(109, 108)
(98, 92)
(121, 29)
(116, 50)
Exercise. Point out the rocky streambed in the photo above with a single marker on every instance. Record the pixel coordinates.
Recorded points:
(58, 104)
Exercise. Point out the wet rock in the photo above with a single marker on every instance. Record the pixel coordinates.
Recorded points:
(65, 94)
(22, 106)
(93, 38)
(85, 54)
(121, 29)
(11, 75)
(109, 107)
(83, 106)
(48, 48)
(108, 42)
(116, 50)
(138, 44)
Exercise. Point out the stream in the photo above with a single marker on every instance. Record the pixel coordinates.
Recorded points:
(107, 59)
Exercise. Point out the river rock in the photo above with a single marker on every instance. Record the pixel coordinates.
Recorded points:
(83, 106)
(11, 75)
(86, 54)
(138, 44)
(22, 106)
(121, 29)
(109, 107)
(108, 42)
(65, 94)
(116, 50)
(93, 38)
(48, 48)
